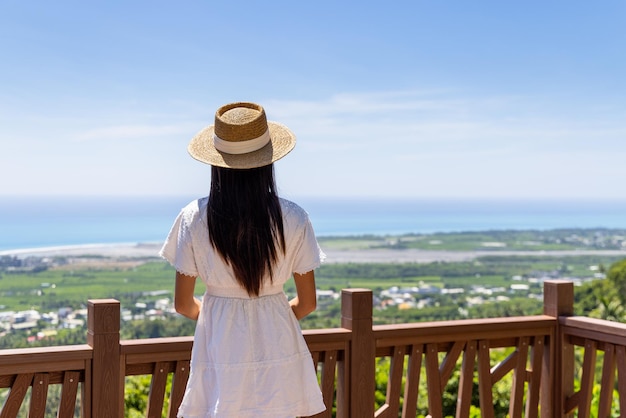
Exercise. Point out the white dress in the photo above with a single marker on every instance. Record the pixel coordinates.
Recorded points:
(249, 359)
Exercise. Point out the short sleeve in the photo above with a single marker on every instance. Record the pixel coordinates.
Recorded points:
(178, 248)
(308, 255)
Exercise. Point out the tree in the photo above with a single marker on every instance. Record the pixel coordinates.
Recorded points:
(610, 309)
(617, 275)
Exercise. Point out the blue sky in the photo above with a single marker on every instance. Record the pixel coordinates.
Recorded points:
(401, 98)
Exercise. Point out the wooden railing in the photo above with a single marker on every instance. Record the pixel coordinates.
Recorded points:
(591, 336)
(35, 369)
(549, 359)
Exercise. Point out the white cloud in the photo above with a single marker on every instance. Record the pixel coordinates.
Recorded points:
(397, 122)
(437, 144)
(416, 143)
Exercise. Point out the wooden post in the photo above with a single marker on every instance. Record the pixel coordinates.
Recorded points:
(356, 315)
(103, 335)
(558, 300)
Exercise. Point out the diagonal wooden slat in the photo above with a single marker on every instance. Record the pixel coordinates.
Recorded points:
(572, 402)
(328, 360)
(69, 392)
(448, 365)
(433, 381)
(394, 384)
(409, 407)
(587, 379)
(519, 379)
(85, 392)
(504, 367)
(315, 355)
(485, 380)
(16, 395)
(157, 391)
(383, 411)
(534, 383)
(328, 381)
(39, 396)
(464, 399)
(342, 384)
(179, 383)
(620, 354)
(607, 383)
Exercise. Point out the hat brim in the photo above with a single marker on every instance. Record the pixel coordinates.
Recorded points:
(282, 141)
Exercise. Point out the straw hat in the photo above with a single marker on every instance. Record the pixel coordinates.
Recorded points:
(241, 138)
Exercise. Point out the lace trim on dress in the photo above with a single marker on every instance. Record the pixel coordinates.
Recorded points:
(178, 268)
(305, 270)
(186, 273)
(312, 266)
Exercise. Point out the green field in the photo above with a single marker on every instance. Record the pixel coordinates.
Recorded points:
(530, 240)
(73, 284)
(54, 288)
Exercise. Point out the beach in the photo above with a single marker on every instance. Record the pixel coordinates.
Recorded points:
(120, 250)
(147, 251)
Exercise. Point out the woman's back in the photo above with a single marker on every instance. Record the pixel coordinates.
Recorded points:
(249, 358)
(302, 254)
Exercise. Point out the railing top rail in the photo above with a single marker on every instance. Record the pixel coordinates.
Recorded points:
(474, 329)
(156, 345)
(594, 329)
(45, 354)
(327, 334)
(517, 322)
(596, 324)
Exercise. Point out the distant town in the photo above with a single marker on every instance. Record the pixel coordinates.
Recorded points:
(157, 304)
(407, 273)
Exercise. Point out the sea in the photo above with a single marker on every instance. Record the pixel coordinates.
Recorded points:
(37, 222)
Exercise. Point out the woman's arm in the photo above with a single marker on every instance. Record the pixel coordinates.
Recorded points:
(306, 300)
(184, 301)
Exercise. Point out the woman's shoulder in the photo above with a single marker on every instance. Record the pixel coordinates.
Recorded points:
(195, 210)
(293, 213)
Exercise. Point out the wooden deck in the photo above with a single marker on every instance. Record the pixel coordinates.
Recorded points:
(541, 362)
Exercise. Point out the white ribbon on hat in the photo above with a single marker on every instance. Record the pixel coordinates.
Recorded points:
(241, 147)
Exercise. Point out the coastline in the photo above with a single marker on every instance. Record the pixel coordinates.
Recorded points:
(121, 251)
(114, 250)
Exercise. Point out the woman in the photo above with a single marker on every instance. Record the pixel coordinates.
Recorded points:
(249, 358)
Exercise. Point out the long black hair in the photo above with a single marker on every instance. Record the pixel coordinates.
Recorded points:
(245, 222)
